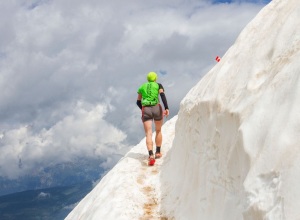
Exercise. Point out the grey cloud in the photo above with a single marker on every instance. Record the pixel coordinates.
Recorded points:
(56, 54)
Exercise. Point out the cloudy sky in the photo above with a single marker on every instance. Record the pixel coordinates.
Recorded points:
(70, 69)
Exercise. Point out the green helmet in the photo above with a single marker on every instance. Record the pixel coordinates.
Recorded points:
(152, 76)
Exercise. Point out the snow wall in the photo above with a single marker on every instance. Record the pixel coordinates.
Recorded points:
(236, 151)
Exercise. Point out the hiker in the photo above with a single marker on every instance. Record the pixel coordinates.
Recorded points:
(148, 102)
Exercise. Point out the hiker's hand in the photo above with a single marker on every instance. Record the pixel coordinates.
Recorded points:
(166, 112)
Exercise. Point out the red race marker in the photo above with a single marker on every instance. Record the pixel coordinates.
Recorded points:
(218, 59)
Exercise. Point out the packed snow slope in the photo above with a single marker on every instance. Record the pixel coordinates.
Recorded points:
(235, 144)
(131, 190)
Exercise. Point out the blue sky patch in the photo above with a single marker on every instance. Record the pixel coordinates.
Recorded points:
(241, 1)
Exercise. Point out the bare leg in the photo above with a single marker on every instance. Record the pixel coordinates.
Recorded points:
(148, 133)
(158, 137)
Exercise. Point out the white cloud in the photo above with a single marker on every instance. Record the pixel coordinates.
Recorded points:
(82, 133)
(43, 195)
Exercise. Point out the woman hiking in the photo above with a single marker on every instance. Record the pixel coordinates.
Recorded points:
(148, 102)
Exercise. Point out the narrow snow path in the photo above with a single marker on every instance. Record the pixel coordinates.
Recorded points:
(148, 185)
(132, 189)
(148, 178)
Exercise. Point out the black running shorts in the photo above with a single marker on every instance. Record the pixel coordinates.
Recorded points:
(152, 113)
